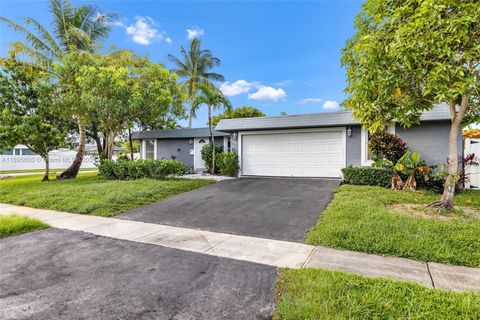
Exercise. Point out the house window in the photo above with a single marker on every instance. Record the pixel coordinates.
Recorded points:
(366, 159)
(17, 152)
(150, 149)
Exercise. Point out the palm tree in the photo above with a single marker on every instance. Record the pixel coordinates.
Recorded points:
(74, 29)
(214, 99)
(194, 68)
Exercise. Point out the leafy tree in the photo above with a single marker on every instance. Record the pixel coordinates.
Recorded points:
(194, 68)
(80, 29)
(214, 99)
(27, 115)
(241, 112)
(408, 55)
(121, 89)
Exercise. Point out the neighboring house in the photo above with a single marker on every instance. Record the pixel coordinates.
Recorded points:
(183, 144)
(18, 150)
(308, 145)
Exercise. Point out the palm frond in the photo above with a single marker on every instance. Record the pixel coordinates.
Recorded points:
(34, 41)
(214, 76)
(45, 35)
(34, 57)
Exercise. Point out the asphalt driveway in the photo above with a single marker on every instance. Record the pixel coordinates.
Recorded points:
(60, 274)
(275, 208)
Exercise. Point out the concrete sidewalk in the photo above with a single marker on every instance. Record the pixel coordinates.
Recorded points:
(265, 251)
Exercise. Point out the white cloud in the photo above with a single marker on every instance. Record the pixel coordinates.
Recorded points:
(194, 32)
(310, 100)
(285, 83)
(144, 31)
(268, 93)
(330, 104)
(237, 87)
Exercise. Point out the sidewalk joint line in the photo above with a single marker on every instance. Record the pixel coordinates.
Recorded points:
(230, 237)
(430, 274)
(309, 257)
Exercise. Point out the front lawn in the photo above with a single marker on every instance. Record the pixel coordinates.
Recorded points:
(91, 194)
(381, 221)
(52, 171)
(319, 294)
(13, 224)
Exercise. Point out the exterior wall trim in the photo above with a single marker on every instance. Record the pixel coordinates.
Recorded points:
(364, 145)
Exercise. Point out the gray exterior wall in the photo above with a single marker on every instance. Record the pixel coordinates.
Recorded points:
(354, 147)
(431, 140)
(176, 147)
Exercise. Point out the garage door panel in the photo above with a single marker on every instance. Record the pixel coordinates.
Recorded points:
(302, 154)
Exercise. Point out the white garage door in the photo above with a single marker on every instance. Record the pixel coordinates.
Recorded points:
(294, 153)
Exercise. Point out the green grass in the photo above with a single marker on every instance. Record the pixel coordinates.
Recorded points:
(13, 224)
(91, 194)
(52, 171)
(319, 294)
(360, 218)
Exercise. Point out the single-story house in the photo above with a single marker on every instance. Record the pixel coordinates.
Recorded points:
(307, 145)
(183, 144)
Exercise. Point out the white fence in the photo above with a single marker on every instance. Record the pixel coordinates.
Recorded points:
(58, 160)
(473, 172)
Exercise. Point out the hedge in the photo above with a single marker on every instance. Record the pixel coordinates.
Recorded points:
(138, 169)
(369, 176)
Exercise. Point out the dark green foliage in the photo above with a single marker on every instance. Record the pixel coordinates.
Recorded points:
(227, 163)
(139, 169)
(369, 176)
(385, 145)
(207, 156)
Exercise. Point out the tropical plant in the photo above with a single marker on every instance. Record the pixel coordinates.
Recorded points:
(469, 160)
(411, 164)
(386, 145)
(27, 113)
(214, 99)
(195, 68)
(73, 29)
(241, 112)
(407, 55)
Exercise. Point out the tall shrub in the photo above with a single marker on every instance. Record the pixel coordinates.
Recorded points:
(386, 145)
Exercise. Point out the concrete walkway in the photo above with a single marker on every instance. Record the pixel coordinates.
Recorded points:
(265, 251)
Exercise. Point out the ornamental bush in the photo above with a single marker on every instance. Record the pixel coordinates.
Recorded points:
(207, 156)
(139, 169)
(385, 145)
(227, 163)
(369, 176)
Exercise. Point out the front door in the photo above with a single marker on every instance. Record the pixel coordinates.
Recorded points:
(199, 164)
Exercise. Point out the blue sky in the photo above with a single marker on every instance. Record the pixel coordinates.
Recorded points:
(278, 56)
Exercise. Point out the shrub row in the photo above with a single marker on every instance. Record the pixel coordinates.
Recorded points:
(369, 176)
(138, 169)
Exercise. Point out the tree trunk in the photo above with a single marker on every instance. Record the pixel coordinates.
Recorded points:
(109, 145)
(190, 116)
(397, 183)
(411, 183)
(130, 141)
(47, 168)
(212, 141)
(72, 171)
(446, 201)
